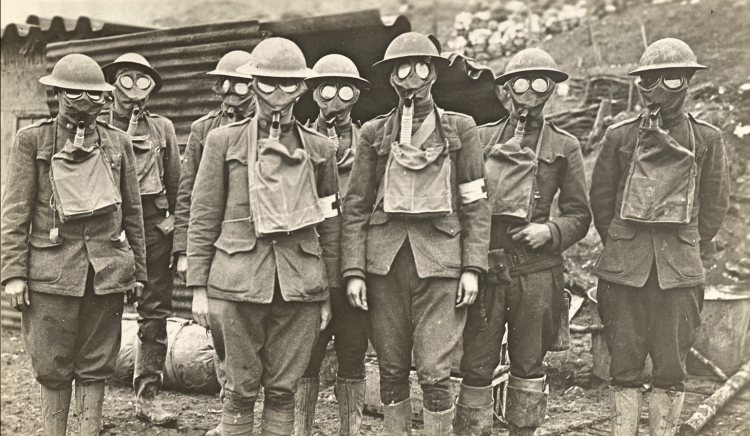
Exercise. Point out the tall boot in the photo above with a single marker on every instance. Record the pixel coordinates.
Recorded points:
(626, 410)
(55, 408)
(236, 423)
(277, 422)
(398, 418)
(526, 405)
(89, 403)
(664, 412)
(351, 396)
(438, 423)
(305, 401)
(474, 411)
(147, 380)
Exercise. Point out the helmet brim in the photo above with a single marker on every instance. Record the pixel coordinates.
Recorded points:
(252, 71)
(557, 76)
(110, 69)
(320, 78)
(67, 84)
(439, 61)
(670, 66)
(227, 73)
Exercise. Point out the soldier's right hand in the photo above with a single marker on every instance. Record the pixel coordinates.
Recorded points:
(356, 293)
(200, 305)
(17, 292)
(181, 264)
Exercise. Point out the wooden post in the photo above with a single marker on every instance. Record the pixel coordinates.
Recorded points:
(712, 366)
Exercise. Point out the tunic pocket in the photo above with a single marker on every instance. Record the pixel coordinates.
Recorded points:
(617, 251)
(46, 258)
(445, 244)
(124, 259)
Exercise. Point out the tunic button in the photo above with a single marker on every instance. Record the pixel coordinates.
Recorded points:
(273, 241)
(86, 239)
(263, 124)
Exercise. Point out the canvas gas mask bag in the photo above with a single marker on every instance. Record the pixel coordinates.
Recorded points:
(283, 193)
(417, 179)
(660, 186)
(82, 181)
(511, 176)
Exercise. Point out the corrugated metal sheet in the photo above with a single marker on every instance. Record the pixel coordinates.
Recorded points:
(183, 55)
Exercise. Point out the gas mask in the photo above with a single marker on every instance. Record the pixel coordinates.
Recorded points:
(80, 106)
(132, 89)
(664, 92)
(413, 78)
(336, 100)
(277, 95)
(236, 94)
(529, 93)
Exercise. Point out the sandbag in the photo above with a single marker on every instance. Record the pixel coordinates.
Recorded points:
(189, 366)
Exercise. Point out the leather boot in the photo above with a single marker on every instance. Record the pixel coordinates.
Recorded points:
(351, 396)
(664, 412)
(474, 411)
(626, 410)
(398, 418)
(236, 423)
(438, 423)
(277, 422)
(305, 400)
(55, 408)
(149, 409)
(89, 403)
(526, 405)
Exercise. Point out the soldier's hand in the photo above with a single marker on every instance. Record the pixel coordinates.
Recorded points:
(134, 294)
(17, 292)
(468, 288)
(181, 267)
(325, 314)
(534, 235)
(356, 293)
(200, 305)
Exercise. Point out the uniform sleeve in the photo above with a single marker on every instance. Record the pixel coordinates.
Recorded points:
(575, 217)
(189, 169)
(171, 166)
(714, 190)
(358, 205)
(604, 182)
(132, 210)
(474, 210)
(206, 210)
(18, 207)
(330, 228)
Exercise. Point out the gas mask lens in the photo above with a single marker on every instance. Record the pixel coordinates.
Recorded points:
(269, 85)
(421, 68)
(540, 85)
(127, 81)
(239, 88)
(328, 91)
(75, 94)
(671, 80)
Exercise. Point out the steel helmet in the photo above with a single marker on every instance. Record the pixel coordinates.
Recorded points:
(532, 59)
(340, 67)
(667, 53)
(277, 57)
(132, 60)
(412, 44)
(229, 63)
(79, 72)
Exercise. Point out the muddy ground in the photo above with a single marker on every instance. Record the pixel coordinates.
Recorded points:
(578, 402)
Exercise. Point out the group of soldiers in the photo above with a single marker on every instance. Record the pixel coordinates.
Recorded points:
(418, 231)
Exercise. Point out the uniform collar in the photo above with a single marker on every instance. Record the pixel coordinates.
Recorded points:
(531, 123)
(265, 125)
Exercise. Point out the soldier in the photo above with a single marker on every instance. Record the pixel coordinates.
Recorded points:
(263, 242)
(158, 166)
(238, 103)
(73, 243)
(415, 234)
(336, 90)
(659, 192)
(528, 160)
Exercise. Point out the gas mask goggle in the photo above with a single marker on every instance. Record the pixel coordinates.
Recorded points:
(276, 97)
(132, 89)
(335, 100)
(529, 92)
(664, 91)
(236, 94)
(412, 78)
(78, 106)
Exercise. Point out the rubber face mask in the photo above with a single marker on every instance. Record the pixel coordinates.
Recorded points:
(336, 100)
(277, 94)
(664, 91)
(132, 89)
(77, 106)
(235, 92)
(413, 77)
(529, 93)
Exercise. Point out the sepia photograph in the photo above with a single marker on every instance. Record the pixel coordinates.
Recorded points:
(385, 217)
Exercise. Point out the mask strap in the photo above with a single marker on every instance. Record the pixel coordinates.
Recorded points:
(332, 132)
(407, 119)
(275, 131)
(133, 125)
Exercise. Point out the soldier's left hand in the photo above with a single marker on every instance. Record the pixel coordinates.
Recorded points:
(133, 295)
(468, 288)
(534, 235)
(325, 314)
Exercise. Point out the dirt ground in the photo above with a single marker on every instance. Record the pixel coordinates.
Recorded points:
(578, 401)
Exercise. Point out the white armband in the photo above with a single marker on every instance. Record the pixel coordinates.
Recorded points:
(472, 191)
(329, 205)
